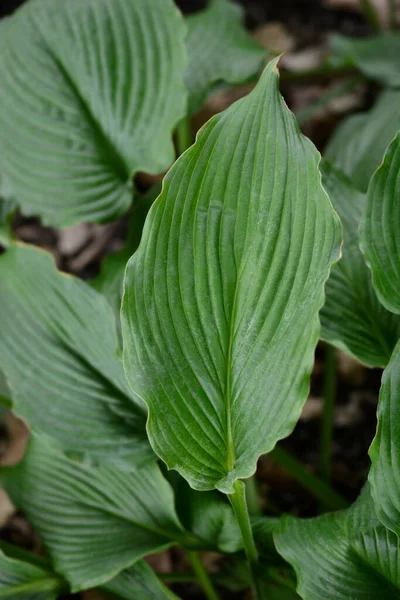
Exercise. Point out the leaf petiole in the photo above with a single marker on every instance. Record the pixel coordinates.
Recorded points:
(202, 576)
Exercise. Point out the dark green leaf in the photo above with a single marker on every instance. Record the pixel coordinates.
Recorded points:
(352, 317)
(138, 583)
(22, 581)
(58, 350)
(94, 522)
(220, 310)
(90, 92)
(220, 49)
(358, 144)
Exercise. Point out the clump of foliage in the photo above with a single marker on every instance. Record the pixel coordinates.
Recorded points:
(235, 262)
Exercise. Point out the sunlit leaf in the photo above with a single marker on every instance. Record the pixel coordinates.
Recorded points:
(220, 310)
(379, 233)
(359, 143)
(352, 317)
(90, 93)
(58, 351)
(94, 522)
(220, 49)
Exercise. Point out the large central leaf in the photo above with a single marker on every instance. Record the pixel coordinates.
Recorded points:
(90, 92)
(220, 311)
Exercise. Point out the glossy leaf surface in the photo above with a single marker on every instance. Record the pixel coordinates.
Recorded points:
(220, 310)
(58, 351)
(380, 234)
(359, 143)
(343, 555)
(94, 522)
(385, 449)
(220, 49)
(138, 583)
(352, 317)
(90, 93)
(22, 581)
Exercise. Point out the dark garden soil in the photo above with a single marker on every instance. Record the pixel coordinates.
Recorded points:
(308, 23)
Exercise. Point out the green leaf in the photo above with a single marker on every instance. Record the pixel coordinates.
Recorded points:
(359, 143)
(7, 210)
(343, 555)
(138, 583)
(380, 238)
(377, 57)
(385, 449)
(220, 49)
(90, 92)
(5, 392)
(58, 351)
(352, 317)
(221, 301)
(22, 581)
(94, 522)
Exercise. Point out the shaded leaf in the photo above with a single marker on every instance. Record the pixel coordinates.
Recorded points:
(377, 57)
(90, 92)
(380, 237)
(220, 49)
(221, 301)
(359, 143)
(352, 317)
(343, 555)
(385, 449)
(138, 583)
(94, 522)
(6, 215)
(22, 581)
(58, 350)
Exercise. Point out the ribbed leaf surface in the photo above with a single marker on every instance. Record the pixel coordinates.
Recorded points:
(220, 310)
(352, 317)
(385, 449)
(58, 351)
(21, 581)
(344, 555)
(94, 522)
(377, 57)
(138, 583)
(90, 92)
(220, 49)
(380, 235)
(359, 143)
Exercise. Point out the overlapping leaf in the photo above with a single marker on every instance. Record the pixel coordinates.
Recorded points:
(22, 581)
(380, 235)
(359, 143)
(352, 317)
(385, 449)
(90, 92)
(138, 583)
(377, 57)
(343, 555)
(58, 351)
(220, 49)
(94, 522)
(220, 310)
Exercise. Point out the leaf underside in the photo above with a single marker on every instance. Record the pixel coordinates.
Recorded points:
(90, 93)
(220, 309)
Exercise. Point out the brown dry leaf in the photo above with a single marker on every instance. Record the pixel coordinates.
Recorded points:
(18, 435)
(101, 237)
(350, 369)
(312, 409)
(275, 37)
(304, 60)
(6, 508)
(161, 562)
(381, 6)
(72, 239)
(92, 595)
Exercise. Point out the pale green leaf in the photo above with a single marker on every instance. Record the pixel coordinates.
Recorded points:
(138, 583)
(220, 49)
(385, 449)
(359, 143)
(220, 310)
(352, 317)
(90, 93)
(22, 581)
(6, 215)
(58, 351)
(377, 57)
(5, 392)
(94, 522)
(343, 555)
(379, 233)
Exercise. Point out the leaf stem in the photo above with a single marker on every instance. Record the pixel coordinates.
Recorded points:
(253, 503)
(370, 14)
(184, 135)
(331, 499)
(392, 14)
(327, 422)
(202, 576)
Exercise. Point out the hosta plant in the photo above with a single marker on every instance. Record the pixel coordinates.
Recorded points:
(152, 391)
